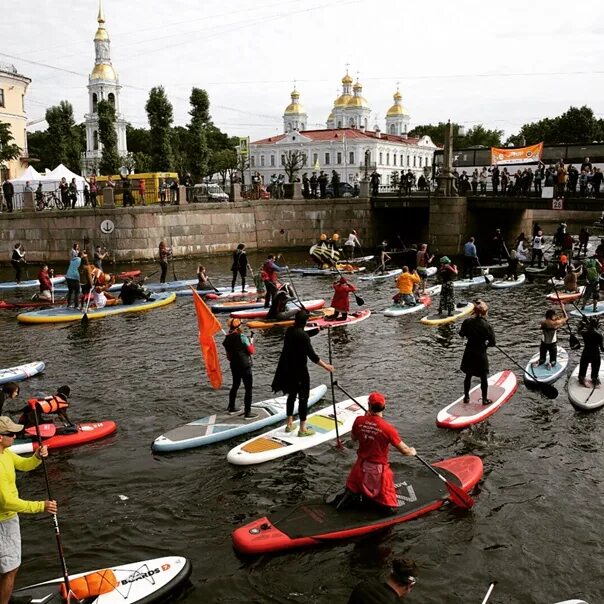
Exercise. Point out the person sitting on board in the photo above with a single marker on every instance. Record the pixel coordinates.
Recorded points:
(10, 391)
(592, 283)
(279, 310)
(341, 300)
(470, 258)
(593, 345)
(398, 585)
(99, 297)
(423, 260)
(11, 504)
(371, 477)
(406, 283)
(291, 376)
(44, 277)
(512, 268)
(48, 407)
(132, 291)
(570, 279)
(522, 251)
(269, 273)
(446, 273)
(239, 350)
(549, 337)
(475, 361)
(383, 257)
(203, 281)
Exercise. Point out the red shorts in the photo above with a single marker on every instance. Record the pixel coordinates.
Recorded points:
(375, 481)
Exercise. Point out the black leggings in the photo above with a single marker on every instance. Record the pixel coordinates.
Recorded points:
(301, 390)
(164, 271)
(73, 291)
(17, 266)
(246, 376)
(271, 290)
(553, 352)
(484, 385)
(593, 360)
(242, 272)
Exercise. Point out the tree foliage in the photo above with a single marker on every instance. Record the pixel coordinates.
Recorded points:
(110, 160)
(224, 162)
(160, 115)
(198, 142)
(476, 136)
(64, 140)
(8, 149)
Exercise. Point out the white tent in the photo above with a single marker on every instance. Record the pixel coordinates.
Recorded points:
(62, 172)
(31, 175)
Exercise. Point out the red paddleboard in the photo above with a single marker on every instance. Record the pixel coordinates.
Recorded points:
(129, 274)
(323, 323)
(318, 522)
(87, 432)
(260, 313)
(460, 415)
(566, 296)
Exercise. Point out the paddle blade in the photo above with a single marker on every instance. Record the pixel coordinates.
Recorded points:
(360, 301)
(547, 390)
(574, 342)
(85, 319)
(458, 496)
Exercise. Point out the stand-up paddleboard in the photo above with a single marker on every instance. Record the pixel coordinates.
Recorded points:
(234, 305)
(21, 372)
(87, 432)
(321, 272)
(261, 314)
(425, 300)
(379, 277)
(359, 260)
(505, 283)
(15, 305)
(279, 443)
(431, 271)
(324, 323)
(474, 281)
(572, 602)
(460, 415)
(442, 319)
(64, 315)
(566, 296)
(171, 285)
(146, 582)
(588, 311)
(268, 324)
(588, 397)
(317, 522)
(494, 267)
(543, 373)
(29, 283)
(129, 274)
(222, 426)
(533, 270)
(221, 294)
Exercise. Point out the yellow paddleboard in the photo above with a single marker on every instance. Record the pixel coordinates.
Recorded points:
(443, 319)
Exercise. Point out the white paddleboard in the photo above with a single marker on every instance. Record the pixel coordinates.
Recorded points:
(397, 310)
(474, 281)
(459, 415)
(378, 277)
(279, 443)
(21, 372)
(505, 283)
(543, 374)
(588, 397)
(30, 283)
(359, 260)
(588, 310)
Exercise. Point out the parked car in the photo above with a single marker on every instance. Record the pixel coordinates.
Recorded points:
(209, 192)
(346, 190)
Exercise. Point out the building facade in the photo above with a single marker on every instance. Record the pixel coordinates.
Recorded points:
(347, 145)
(103, 85)
(13, 88)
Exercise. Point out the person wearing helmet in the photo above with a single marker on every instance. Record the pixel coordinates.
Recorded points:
(593, 345)
(239, 350)
(371, 477)
(475, 362)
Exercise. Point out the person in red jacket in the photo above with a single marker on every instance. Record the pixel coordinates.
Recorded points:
(341, 301)
(371, 476)
(44, 276)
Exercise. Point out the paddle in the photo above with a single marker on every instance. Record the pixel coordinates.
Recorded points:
(489, 592)
(484, 275)
(289, 276)
(360, 301)
(333, 393)
(52, 287)
(213, 286)
(458, 496)
(85, 315)
(54, 516)
(547, 390)
(574, 341)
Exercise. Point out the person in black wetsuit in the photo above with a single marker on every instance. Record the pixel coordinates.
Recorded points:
(593, 345)
(475, 361)
(278, 310)
(239, 266)
(239, 349)
(399, 584)
(132, 291)
(291, 376)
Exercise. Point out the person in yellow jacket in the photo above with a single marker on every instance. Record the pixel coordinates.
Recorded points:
(11, 504)
(406, 283)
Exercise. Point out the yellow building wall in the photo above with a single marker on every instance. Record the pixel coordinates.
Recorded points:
(14, 87)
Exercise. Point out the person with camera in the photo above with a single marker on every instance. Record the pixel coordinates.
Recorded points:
(99, 255)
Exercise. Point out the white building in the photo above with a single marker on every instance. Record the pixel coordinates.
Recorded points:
(343, 145)
(103, 84)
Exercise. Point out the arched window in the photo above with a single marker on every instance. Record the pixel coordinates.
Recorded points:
(95, 140)
(351, 122)
(392, 129)
(95, 101)
(111, 99)
(366, 123)
(339, 124)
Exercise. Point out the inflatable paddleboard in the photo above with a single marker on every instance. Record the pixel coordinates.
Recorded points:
(30, 283)
(460, 415)
(533, 270)
(442, 319)
(588, 397)
(505, 283)
(541, 373)
(145, 582)
(566, 297)
(21, 372)
(359, 260)
(317, 522)
(268, 324)
(63, 315)
(129, 274)
(431, 271)
(279, 443)
(262, 312)
(474, 281)
(223, 293)
(222, 426)
(87, 432)
(171, 285)
(318, 272)
(397, 310)
(588, 310)
(323, 323)
(378, 277)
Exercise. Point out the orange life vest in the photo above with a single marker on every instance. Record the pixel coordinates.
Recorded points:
(50, 404)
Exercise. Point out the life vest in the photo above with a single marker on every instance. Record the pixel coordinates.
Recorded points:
(50, 404)
(91, 585)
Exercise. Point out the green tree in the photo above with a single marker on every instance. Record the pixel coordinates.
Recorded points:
(160, 115)
(38, 146)
(180, 150)
(139, 139)
(66, 140)
(223, 162)
(477, 136)
(198, 142)
(142, 162)
(110, 160)
(8, 149)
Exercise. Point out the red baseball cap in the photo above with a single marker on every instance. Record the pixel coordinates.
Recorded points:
(377, 400)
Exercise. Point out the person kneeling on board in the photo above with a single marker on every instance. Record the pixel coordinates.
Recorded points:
(406, 283)
(239, 350)
(570, 279)
(132, 291)
(279, 310)
(475, 361)
(48, 407)
(399, 584)
(593, 345)
(44, 277)
(341, 301)
(371, 478)
(549, 338)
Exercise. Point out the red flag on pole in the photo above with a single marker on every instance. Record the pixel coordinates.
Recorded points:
(208, 325)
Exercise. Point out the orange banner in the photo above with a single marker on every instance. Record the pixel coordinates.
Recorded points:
(519, 155)
(208, 325)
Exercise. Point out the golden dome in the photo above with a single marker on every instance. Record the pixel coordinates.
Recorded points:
(294, 108)
(346, 79)
(398, 96)
(342, 101)
(358, 86)
(396, 110)
(102, 71)
(357, 101)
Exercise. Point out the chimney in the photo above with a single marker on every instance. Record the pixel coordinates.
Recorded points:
(362, 127)
(378, 132)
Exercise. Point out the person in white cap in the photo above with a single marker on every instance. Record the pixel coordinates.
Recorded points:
(11, 504)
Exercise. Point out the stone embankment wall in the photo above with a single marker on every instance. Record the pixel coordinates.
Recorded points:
(192, 230)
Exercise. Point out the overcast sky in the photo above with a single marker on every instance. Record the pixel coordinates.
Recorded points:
(499, 64)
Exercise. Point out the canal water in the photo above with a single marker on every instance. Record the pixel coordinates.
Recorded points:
(536, 527)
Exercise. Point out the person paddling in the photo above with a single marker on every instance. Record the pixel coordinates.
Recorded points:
(44, 278)
(371, 477)
(292, 377)
(203, 281)
(17, 260)
(383, 257)
(593, 345)
(549, 337)
(475, 362)
(269, 273)
(239, 266)
(512, 268)
(398, 585)
(165, 253)
(341, 299)
(446, 273)
(279, 310)
(592, 283)
(11, 504)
